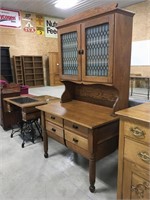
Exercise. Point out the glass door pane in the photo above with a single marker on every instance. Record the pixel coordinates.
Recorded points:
(97, 43)
(69, 53)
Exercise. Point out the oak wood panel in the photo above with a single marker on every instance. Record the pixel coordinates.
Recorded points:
(83, 131)
(54, 129)
(137, 131)
(54, 69)
(55, 137)
(132, 150)
(76, 139)
(53, 118)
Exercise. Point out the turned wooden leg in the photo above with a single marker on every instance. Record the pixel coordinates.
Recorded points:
(45, 140)
(44, 134)
(92, 170)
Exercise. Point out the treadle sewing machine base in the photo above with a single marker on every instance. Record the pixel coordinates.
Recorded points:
(29, 123)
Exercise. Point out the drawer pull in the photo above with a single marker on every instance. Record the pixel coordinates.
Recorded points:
(52, 117)
(54, 130)
(74, 126)
(75, 140)
(140, 189)
(137, 132)
(144, 156)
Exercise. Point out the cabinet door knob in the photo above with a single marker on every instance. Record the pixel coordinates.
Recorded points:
(144, 156)
(137, 132)
(75, 140)
(81, 51)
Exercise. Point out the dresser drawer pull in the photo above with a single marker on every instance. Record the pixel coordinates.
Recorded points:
(144, 156)
(53, 129)
(140, 189)
(52, 117)
(74, 126)
(137, 132)
(75, 140)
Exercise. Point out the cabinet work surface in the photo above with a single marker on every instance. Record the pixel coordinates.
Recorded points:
(86, 114)
(134, 153)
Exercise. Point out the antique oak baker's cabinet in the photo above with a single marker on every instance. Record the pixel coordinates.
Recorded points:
(94, 57)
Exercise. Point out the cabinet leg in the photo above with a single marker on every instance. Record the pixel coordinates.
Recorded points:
(92, 170)
(45, 138)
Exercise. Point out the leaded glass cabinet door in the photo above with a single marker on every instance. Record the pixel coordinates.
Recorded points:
(70, 59)
(98, 50)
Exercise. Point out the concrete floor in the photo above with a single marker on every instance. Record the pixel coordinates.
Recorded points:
(26, 175)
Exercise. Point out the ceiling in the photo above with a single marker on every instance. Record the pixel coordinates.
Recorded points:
(46, 7)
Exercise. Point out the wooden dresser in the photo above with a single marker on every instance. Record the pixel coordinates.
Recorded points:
(134, 153)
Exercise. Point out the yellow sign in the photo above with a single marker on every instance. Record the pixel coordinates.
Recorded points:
(40, 30)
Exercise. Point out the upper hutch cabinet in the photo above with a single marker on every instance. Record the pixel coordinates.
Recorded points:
(95, 48)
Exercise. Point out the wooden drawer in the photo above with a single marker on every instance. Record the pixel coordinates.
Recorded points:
(137, 153)
(76, 128)
(137, 131)
(56, 130)
(76, 139)
(140, 188)
(31, 116)
(54, 119)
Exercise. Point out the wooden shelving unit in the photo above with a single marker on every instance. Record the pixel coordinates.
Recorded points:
(38, 70)
(29, 70)
(18, 70)
(6, 69)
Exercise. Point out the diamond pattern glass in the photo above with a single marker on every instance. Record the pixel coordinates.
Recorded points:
(69, 43)
(97, 44)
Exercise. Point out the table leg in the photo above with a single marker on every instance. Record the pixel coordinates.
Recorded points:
(132, 80)
(92, 172)
(148, 88)
(45, 137)
(45, 144)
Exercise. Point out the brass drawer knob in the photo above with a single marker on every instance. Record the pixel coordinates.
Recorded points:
(144, 156)
(140, 189)
(137, 132)
(52, 117)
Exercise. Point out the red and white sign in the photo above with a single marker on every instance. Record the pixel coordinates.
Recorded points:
(10, 18)
(29, 28)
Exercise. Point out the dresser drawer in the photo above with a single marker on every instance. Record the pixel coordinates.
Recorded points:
(140, 187)
(137, 131)
(76, 139)
(137, 153)
(56, 130)
(76, 128)
(54, 119)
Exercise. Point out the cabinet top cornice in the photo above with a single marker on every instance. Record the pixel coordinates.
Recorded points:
(94, 12)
